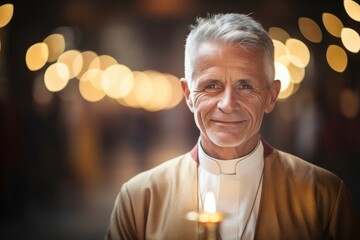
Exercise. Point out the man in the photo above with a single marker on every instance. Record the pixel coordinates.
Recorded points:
(264, 193)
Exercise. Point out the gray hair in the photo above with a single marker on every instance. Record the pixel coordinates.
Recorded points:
(238, 29)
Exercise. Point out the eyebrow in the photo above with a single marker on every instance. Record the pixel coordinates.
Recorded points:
(244, 80)
(206, 81)
(214, 80)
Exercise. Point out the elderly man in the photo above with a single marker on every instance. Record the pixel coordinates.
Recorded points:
(263, 192)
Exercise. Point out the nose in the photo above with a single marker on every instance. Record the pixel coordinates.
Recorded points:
(227, 102)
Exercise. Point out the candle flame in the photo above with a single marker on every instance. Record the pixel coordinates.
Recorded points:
(209, 203)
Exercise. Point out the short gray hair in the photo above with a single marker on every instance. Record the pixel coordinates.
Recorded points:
(234, 28)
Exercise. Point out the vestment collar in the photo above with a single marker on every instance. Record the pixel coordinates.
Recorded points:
(232, 166)
(268, 149)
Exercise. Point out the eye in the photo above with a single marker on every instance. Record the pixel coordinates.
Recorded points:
(211, 86)
(245, 86)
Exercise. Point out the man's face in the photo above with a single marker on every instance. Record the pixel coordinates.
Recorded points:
(229, 94)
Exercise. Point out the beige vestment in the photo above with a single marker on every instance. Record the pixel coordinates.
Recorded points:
(298, 201)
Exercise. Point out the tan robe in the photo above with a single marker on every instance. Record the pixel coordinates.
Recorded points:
(298, 201)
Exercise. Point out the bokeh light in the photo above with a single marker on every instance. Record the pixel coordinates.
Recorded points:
(56, 77)
(310, 29)
(117, 81)
(89, 85)
(286, 93)
(95, 77)
(86, 58)
(280, 53)
(297, 74)
(6, 13)
(332, 24)
(153, 91)
(336, 58)
(56, 45)
(282, 74)
(102, 62)
(142, 92)
(291, 59)
(350, 39)
(37, 56)
(72, 58)
(177, 94)
(352, 8)
(162, 91)
(278, 34)
(298, 52)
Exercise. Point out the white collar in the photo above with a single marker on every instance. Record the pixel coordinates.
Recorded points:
(232, 166)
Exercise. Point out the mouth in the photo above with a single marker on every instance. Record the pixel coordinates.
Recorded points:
(228, 122)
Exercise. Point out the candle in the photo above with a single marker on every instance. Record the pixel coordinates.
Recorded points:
(209, 220)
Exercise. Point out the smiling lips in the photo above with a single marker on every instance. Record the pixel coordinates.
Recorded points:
(228, 122)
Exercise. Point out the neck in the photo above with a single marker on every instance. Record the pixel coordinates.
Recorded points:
(228, 153)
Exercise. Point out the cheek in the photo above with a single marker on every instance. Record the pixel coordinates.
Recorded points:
(255, 107)
(202, 104)
(199, 99)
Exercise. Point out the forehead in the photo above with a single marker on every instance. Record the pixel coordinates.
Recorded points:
(225, 54)
(212, 51)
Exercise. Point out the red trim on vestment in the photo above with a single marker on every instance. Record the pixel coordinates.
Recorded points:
(194, 153)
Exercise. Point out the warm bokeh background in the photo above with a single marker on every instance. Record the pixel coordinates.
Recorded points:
(65, 153)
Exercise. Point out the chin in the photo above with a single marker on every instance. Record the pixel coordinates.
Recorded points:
(226, 141)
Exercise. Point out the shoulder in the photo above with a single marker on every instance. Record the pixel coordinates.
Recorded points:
(297, 178)
(303, 171)
(161, 175)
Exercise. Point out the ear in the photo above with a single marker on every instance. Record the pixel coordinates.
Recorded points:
(186, 91)
(273, 94)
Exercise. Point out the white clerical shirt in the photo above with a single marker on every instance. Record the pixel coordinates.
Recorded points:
(236, 185)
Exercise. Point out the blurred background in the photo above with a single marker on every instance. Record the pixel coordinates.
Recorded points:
(90, 96)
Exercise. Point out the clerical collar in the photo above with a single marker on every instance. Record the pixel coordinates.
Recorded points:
(232, 166)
